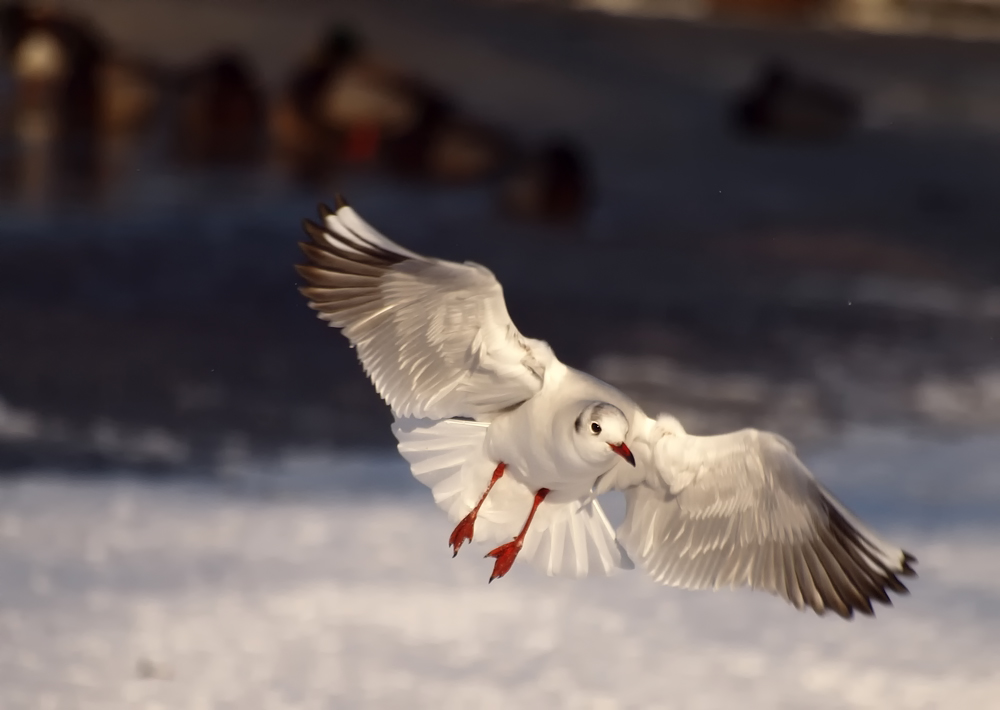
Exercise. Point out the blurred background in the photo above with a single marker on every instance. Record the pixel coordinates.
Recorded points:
(770, 213)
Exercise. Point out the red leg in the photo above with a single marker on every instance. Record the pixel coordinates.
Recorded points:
(507, 553)
(463, 531)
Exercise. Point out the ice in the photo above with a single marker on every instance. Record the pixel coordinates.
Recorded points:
(323, 580)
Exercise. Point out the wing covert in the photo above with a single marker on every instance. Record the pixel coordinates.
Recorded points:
(742, 510)
(434, 336)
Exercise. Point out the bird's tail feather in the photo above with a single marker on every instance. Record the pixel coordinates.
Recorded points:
(566, 537)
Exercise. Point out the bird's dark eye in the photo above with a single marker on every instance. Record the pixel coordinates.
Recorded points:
(595, 427)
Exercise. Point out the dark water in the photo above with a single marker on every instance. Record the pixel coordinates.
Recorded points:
(798, 287)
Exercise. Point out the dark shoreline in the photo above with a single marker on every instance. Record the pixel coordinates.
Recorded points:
(797, 287)
(206, 341)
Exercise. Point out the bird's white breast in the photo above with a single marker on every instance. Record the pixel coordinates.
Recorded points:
(535, 439)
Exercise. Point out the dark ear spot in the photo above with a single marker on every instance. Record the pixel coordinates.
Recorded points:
(578, 424)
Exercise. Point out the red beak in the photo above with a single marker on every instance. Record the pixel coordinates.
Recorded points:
(623, 451)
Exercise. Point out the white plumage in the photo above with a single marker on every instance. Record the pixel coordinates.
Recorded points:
(565, 538)
(738, 509)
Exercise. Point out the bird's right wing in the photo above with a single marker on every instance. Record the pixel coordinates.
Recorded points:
(434, 336)
(742, 510)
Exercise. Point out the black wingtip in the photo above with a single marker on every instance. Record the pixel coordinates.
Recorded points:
(303, 271)
(313, 230)
(339, 203)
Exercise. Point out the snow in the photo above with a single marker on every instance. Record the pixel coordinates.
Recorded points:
(323, 580)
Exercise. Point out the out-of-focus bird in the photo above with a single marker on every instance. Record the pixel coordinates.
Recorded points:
(65, 66)
(305, 143)
(221, 113)
(448, 146)
(346, 106)
(553, 184)
(783, 104)
(74, 98)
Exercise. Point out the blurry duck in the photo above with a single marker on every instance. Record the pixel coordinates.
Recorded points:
(552, 185)
(41, 49)
(304, 142)
(220, 113)
(447, 146)
(73, 96)
(345, 106)
(67, 62)
(131, 92)
(782, 104)
(364, 100)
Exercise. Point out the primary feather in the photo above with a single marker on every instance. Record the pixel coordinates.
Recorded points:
(434, 336)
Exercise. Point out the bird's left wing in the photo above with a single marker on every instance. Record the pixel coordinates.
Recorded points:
(741, 509)
(434, 336)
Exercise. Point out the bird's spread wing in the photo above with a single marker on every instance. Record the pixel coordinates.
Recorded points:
(741, 510)
(433, 335)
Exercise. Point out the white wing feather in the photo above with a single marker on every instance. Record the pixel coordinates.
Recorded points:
(741, 510)
(434, 336)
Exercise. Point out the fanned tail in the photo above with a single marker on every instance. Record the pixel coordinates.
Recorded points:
(573, 539)
(566, 537)
(445, 456)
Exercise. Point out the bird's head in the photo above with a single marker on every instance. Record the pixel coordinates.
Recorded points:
(599, 434)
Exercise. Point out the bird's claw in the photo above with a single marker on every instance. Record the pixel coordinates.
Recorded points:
(505, 556)
(462, 533)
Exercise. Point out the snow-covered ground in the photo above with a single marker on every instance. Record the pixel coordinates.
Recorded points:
(325, 581)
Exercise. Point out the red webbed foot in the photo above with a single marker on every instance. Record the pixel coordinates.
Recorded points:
(507, 553)
(462, 532)
(505, 556)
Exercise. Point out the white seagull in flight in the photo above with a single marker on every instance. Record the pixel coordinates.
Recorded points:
(516, 446)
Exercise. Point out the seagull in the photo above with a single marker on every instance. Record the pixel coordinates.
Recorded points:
(516, 446)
